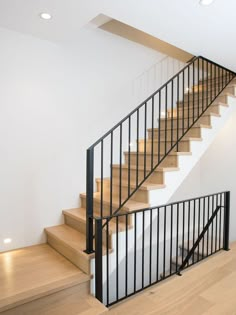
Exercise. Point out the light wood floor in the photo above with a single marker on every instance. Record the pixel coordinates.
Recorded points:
(208, 288)
(34, 272)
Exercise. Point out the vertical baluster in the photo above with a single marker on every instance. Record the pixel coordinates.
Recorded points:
(98, 260)
(172, 112)
(166, 116)
(198, 93)
(164, 246)
(189, 96)
(137, 155)
(152, 133)
(126, 255)
(207, 95)
(194, 222)
(183, 246)
(220, 221)
(218, 80)
(199, 222)
(143, 249)
(129, 141)
(183, 111)
(216, 224)
(211, 83)
(111, 171)
(177, 148)
(145, 138)
(159, 129)
(101, 192)
(135, 249)
(212, 225)
(204, 217)
(193, 93)
(117, 258)
(107, 258)
(215, 80)
(203, 78)
(120, 181)
(177, 238)
(150, 249)
(208, 217)
(171, 236)
(188, 226)
(89, 200)
(158, 238)
(226, 220)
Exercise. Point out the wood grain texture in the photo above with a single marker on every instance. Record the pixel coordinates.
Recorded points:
(208, 288)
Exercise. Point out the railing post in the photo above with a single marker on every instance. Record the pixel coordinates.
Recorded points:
(89, 201)
(98, 260)
(226, 221)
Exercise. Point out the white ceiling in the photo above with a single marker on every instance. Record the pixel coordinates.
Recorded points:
(208, 31)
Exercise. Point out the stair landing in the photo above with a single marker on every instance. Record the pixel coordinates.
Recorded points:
(38, 280)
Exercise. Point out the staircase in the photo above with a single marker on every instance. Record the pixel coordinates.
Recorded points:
(134, 161)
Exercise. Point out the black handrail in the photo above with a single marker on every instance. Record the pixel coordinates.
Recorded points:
(157, 111)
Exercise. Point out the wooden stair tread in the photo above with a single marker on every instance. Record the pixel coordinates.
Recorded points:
(69, 236)
(145, 185)
(141, 168)
(163, 140)
(130, 205)
(174, 128)
(37, 272)
(80, 214)
(190, 117)
(156, 154)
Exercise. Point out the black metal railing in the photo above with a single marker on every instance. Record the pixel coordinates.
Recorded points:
(146, 136)
(153, 244)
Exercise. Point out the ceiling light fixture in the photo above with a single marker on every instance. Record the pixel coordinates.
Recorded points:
(206, 2)
(45, 16)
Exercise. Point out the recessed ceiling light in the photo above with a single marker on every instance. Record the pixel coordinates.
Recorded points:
(45, 16)
(206, 2)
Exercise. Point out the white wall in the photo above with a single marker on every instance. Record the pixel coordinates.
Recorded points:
(215, 171)
(54, 102)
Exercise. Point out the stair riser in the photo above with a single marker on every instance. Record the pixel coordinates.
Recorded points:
(193, 132)
(184, 146)
(169, 161)
(81, 227)
(206, 120)
(155, 177)
(74, 256)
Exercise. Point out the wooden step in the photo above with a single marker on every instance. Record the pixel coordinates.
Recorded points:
(171, 160)
(130, 205)
(183, 146)
(194, 132)
(193, 111)
(76, 218)
(185, 123)
(208, 94)
(37, 273)
(222, 98)
(71, 244)
(141, 195)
